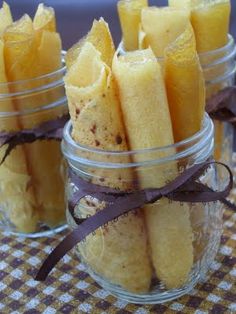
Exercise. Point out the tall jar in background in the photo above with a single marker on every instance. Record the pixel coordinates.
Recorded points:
(31, 176)
(219, 67)
(114, 255)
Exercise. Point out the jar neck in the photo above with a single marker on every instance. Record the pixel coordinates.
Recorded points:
(33, 95)
(197, 148)
(218, 56)
(218, 65)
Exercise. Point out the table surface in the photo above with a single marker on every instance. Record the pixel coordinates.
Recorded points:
(69, 289)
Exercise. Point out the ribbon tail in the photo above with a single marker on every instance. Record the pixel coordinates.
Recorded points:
(55, 256)
(14, 141)
(87, 227)
(7, 152)
(229, 204)
(221, 199)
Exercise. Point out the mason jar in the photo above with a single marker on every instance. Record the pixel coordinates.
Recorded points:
(118, 254)
(31, 174)
(219, 67)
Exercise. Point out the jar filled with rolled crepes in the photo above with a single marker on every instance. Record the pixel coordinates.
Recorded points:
(155, 253)
(32, 107)
(121, 142)
(159, 28)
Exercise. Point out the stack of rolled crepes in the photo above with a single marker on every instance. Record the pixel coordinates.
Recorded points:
(159, 27)
(30, 181)
(130, 102)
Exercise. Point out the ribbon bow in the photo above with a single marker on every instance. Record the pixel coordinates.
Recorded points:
(185, 188)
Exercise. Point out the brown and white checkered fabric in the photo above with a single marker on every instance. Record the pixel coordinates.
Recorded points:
(69, 289)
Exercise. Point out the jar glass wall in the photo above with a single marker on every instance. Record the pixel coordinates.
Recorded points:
(186, 237)
(219, 67)
(31, 177)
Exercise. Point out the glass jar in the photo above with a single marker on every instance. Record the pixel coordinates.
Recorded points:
(219, 67)
(31, 178)
(118, 255)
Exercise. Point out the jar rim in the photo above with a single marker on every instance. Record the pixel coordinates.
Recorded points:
(228, 51)
(53, 80)
(74, 151)
(230, 45)
(61, 71)
(230, 74)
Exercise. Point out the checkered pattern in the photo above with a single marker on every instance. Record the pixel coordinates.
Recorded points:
(69, 289)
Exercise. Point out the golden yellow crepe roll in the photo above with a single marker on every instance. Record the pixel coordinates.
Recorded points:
(210, 20)
(148, 125)
(17, 196)
(216, 15)
(185, 86)
(100, 29)
(5, 17)
(130, 17)
(162, 26)
(118, 252)
(44, 19)
(48, 41)
(19, 49)
(47, 169)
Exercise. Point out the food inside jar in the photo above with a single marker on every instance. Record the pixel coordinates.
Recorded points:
(124, 106)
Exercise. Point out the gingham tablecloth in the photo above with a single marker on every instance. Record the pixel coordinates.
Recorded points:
(69, 289)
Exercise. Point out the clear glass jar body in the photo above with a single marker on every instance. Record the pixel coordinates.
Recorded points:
(122, 255)
(31, 178)
(219, 67)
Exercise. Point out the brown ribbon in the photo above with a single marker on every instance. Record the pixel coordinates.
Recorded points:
(185, 188)
(52, 129)
(222, 106)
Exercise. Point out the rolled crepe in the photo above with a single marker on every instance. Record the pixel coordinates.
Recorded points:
(185, 85)
(118, 252)
(100, 29)
(210, 21)
(33, 49)
(148, 125)
(130, 18)
(47, 169)
(162, 26)
(5, 17)
(17, 196)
